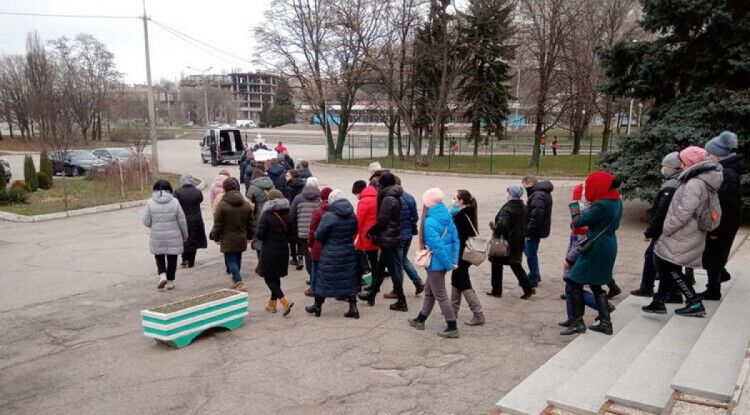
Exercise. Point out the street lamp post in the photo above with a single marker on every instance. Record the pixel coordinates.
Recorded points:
(205, 93)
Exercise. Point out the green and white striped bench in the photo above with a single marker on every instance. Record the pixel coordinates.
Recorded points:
(181, 322)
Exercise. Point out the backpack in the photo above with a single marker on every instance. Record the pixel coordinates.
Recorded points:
(709, 216)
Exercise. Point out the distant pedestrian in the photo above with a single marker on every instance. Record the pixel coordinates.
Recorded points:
(304, 170)
(274, 230)
(367, 213)
(337, 275)
(555, 144)
(166, 220)
(539, 208)
(190, 199)
(315, 245)
(280, 147)
(597, 256)
(217, 188)
(464, 212)
(543, 144)
(277, 172)
(259, 170)
(441, 239)
(287, 160)
(213, 148)
(511, 223)
(301, 212)
(233, 226)
(293, 187)
(246, 162)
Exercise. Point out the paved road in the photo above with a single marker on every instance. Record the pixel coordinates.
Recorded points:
(71, 290)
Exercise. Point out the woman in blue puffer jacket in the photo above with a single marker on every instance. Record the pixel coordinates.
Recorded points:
(441, 238)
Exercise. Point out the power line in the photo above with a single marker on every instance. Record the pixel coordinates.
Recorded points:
(76, 16)
(196, 45)
(201, 42)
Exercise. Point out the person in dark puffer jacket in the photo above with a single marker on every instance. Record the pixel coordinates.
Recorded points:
(337, 276)
(302, 209)
(274, 230)
(315, 245)
(409, 221)
(293, 187)
(276, 171)
(386, 233)
(539, 206)
(190, 199)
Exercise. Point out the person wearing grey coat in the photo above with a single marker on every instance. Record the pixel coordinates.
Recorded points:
(303, 206)
(682, 241)
(166, 220)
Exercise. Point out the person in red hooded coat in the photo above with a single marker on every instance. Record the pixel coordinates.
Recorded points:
(367, 215)
(313, 244)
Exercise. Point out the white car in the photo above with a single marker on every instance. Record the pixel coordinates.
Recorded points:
(246, 124)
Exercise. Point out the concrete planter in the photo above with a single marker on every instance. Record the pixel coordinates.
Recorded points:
(179, 323)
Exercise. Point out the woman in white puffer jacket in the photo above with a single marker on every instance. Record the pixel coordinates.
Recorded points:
(164, 216)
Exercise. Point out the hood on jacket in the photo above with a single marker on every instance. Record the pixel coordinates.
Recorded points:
(276, 204)
(234, 198)
(276, 169)
(369, 191)
(263, 183)
(296, 183)
(709, 171)
(543, 186)
(342, 208)
(440, 214)
(311, 193)
(162, 196)
(735, 162)
(219, 180)
(392, 190)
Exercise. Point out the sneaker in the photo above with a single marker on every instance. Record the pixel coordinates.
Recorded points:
(418, 289)
(170, 285)
(528, 295)
(642, 293)
(391, 295)
(419, 325)
(656, 307)
(494, 294)
(239, 287)
(399, 306)
(162, 282)
(692, 310)
(449, 334)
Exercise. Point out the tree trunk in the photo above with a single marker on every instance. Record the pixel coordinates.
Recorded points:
(474, 134)
(399, 139)
(538, 130)
(577, 135)
(391, 136)
(10, 127)
(607, 121)
(442, 141)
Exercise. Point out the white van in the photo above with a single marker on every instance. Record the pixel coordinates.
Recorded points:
(230, 144)
(245, 124)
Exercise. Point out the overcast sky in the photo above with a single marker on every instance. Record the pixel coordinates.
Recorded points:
(225, 24)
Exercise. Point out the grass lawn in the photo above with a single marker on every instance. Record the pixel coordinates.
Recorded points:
(82, 193)
(549, 166)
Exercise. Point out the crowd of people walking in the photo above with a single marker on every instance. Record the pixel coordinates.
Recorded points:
(349, 252)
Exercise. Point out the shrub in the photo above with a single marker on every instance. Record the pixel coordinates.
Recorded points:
(20, 185)
(45, 165)
(45, 180)
(13, 197)
(2, 180)
(29, 173)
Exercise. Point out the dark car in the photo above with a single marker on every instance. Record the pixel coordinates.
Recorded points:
(6, 169)
(113, 154)
(75, 162)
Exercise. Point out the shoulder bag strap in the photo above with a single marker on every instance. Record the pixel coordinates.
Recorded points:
(605, 229)
(282, 222)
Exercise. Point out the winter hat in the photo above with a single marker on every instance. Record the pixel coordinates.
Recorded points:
(672, 160)
(335, 195)
(723, 144)
(432, 197)
(515, 191)
(692, 155)
(186, 179)
(311, 182)
(386, 179)
(325, 192)
(275, 194)
(358, 187)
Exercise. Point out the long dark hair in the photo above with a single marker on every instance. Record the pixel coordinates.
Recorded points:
(471, 205)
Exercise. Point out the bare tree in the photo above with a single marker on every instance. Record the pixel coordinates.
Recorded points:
(14, 93)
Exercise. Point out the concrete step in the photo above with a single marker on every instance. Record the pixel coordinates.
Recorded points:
(530, 397)
(645, 384)
(712, 366)
(584, 392)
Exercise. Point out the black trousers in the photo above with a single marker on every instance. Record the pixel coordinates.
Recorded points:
(578, 288)
(497, 276)
(669, 275)
(189, 257)
(293, 241)
(166, 264)
(274, 284)
(387, 260)
(460, 278)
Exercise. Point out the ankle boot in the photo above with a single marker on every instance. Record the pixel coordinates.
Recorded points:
(286, 305)
(451, 332)
(271, 306)
(605, 324)
(712, 293)
(614, 289)
(528, 289)
(399, 305)
(455, 300)
(316, 308)
(576, 324)
(353, 311)
(368, 296)
(476, 308)
(574, 327)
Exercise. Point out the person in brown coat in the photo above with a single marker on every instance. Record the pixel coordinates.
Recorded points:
(233, 226)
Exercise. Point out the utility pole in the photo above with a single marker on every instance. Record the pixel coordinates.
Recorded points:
(150, 96)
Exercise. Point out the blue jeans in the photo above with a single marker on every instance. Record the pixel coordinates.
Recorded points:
(233, 260)
(530, 249)
(406, 266)
(588, 299)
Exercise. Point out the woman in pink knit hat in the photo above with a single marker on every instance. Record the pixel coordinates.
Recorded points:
(683, 238)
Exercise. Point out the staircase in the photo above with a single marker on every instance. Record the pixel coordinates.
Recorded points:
(650, 361)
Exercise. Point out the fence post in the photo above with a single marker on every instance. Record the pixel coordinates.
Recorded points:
(370, 147)
(591, 149)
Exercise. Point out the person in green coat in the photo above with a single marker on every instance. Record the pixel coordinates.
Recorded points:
(598, 251)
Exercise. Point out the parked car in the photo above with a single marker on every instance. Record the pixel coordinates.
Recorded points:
(113, 154)
(6, 169)
(75, 162)
(245, 124)
(230, 144)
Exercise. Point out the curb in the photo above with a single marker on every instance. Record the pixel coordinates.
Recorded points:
(441, 173)
(13, 217)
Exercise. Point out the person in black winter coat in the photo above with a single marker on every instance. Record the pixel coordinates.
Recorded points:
(277, 172)
(190, 199)
(293, 187)
(337, 270)
(464, 212)
(539, 207)
(386, 233)
(511, 223)
(719, 241)
(245, 165)
(274, 230)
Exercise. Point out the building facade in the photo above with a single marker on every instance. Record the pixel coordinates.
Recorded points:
(252, 91)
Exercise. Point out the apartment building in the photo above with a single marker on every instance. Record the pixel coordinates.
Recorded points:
(252, 91)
